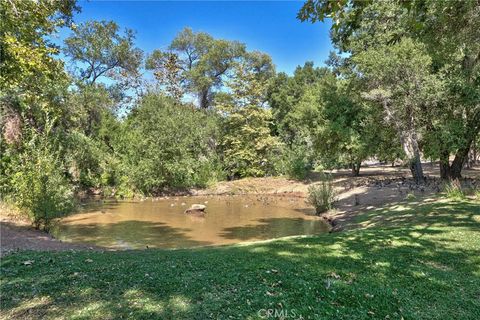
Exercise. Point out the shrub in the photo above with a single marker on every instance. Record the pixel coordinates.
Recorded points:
(453, 190)
(39, 185)
(165, 145)
(322, 196)
(208, 173)
(294, 162)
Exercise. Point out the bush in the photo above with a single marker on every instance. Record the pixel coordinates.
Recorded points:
(294, 162)
(322, 196)
(208, 173)
(454, 191)
(39, 185)
(168, 146)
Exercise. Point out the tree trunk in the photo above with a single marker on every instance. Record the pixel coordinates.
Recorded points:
(474, 148)
(412, 151)
(356, 169)
(472, 129)
(409, 141)
(458, 162)
(204, 99)
(416, 169)
(445, 165)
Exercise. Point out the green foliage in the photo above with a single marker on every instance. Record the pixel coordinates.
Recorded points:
(454, 191)
(26, 53)
(400, 81)
(433, 80)
(102, 51)
(196, 63)
(322, 195)
(293, 104)
(33, 115)
(247, 143)
(39, 184)
(167, 145)
(318, 108)
(294, 161)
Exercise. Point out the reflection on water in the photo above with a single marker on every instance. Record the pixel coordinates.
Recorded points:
(161, 223)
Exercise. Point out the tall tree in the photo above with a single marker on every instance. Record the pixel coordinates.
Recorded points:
(246, 140)
(284, 95)
(29, 73)
(168, 72)
(33, 113)
(99, 50)
(106, 64)
(204, 62)
(450, 32)
(399, 78)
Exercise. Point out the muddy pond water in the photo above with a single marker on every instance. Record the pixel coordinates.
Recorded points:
(162, 223)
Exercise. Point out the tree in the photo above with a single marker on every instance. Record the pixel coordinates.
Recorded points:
(347, 133)
(33, 114)
(284, 95)
(247, 142)
(203, 61)
(168, 72)
(106, 64)
(29, 73)
(449, 30)
(400, 80)
(99, 50)
(32, 81)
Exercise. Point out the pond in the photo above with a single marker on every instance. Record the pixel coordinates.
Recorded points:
(162, 223)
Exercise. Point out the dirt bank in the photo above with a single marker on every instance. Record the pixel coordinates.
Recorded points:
(18, 234)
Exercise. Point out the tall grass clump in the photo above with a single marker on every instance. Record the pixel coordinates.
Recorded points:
(322, 195)
(453, 190)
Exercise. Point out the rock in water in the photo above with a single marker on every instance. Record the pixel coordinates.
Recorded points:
(196, 209)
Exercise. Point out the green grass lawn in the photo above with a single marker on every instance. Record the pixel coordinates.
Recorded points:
(410, 261)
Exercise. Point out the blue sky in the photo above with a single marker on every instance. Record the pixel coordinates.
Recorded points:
(269, 26)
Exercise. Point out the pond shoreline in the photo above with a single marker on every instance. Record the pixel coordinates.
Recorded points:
(377, 187)
(18, 234)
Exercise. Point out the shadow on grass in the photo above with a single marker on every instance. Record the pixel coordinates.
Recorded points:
(381, 272)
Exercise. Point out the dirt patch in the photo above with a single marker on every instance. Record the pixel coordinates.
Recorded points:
(17, 234)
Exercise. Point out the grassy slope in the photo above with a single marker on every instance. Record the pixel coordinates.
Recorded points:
(416, 261)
